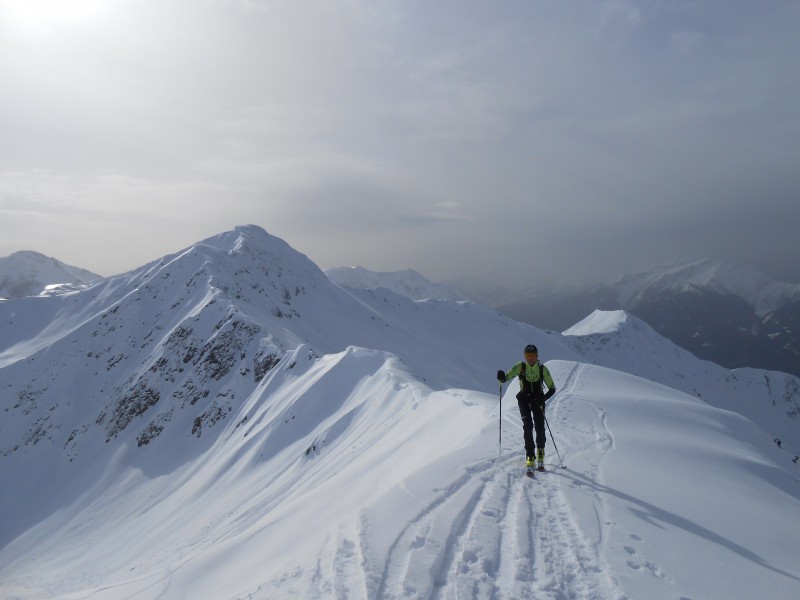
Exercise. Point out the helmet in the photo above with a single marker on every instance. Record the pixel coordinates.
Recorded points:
(531, 349)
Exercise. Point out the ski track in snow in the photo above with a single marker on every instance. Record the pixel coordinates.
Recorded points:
(492, 534)
(340, 569)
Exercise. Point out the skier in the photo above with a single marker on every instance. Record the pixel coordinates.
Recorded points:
(531, 400)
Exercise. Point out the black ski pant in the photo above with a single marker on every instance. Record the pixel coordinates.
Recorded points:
(531, 408)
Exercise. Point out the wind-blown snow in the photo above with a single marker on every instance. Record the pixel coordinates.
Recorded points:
(227, 423)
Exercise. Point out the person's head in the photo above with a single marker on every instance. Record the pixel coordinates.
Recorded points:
(531, 354)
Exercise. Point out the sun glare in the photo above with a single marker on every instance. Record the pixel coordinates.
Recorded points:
(41, 15)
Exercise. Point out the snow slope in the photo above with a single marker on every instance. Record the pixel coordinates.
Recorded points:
(30, 273)
(345, 477)
(226, 422)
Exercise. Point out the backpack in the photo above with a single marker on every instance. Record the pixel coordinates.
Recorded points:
(530, 387)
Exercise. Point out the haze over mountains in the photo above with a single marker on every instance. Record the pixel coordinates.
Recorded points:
(227, 422)
(407, 283)
(734, 316)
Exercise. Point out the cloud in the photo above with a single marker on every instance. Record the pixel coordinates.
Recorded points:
(434, 218)
(593, 134)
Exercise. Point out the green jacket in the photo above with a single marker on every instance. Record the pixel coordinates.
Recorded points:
(532, 374)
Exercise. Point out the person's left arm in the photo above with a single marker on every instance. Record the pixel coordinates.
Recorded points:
(548, 381)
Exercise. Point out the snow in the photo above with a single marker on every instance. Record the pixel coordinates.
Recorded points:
(599, 322)
(365, 461)
(686, 502)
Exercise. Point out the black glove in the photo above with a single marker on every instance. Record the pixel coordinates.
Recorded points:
(549, 394)
(501, 376)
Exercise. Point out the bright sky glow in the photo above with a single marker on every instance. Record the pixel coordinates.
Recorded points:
(41, 16)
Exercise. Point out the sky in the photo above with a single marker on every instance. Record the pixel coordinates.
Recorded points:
(522, 143)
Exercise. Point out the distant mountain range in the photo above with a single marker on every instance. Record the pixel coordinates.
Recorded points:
(733, 316)
(29, 273)
(408, 283)
(736, 317)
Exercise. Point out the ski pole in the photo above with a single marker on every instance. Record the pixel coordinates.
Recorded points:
(554, 442)
(500, 425)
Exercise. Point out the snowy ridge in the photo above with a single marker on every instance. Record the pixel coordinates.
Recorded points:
(31, 273)
(228, 423)
(408, 283)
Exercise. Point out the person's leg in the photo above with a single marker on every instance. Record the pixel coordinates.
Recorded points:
(538, 423)
(527, 425)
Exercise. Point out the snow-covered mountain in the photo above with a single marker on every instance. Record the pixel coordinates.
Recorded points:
(30, 273)
(227, 422)
(158, 357)
(734, 316)
(619, 340)
(408, 283)
(759, 291)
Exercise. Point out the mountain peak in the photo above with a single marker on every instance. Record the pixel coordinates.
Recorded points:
(601, 322)
(242, 237)
(246, 250)
(29, 273)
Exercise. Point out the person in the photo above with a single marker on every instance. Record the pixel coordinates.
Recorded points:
(531, 400)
